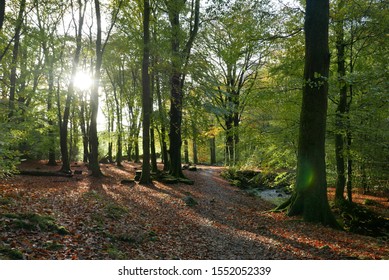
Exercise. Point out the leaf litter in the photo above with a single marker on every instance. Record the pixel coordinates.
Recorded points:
(101, 218)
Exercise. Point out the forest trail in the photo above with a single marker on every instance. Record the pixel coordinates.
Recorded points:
(105, 219)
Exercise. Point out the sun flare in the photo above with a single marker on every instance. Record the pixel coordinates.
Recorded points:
(82, 81)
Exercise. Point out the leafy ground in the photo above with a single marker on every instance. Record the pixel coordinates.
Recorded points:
(87, 218)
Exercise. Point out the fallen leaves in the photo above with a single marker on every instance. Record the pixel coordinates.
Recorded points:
(105, 219)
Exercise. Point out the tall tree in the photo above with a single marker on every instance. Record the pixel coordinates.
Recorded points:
(310, 198)
(64, 120)
(341, 107)
(15, 55)
(93, 138)
(146, 95)
(100, 47)
(179, 61)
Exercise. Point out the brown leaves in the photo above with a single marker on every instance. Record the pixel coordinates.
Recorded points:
(109, 220)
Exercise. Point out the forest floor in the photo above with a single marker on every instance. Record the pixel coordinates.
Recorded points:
(82, 217)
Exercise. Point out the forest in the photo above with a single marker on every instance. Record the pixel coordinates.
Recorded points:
(188, 129)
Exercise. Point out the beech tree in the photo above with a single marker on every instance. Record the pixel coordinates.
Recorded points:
(179, 60)
(146, 98)
(310, 197)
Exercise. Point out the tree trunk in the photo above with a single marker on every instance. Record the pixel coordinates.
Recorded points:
(175, 104)
(15, 53)
(195, 156)
(146, 95)
(179, 62)
(186, 151)
(84, 131)
(341, 110)
(94, 100)
(164, 150)
(65, 119)
(52, 157)
(310, 197)
(154, 166)
(212, 148)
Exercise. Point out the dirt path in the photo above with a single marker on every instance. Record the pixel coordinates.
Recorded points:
(109, 220)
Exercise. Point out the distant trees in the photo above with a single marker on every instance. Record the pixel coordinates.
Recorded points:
(235, 46)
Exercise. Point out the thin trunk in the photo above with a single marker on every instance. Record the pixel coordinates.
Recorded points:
(51, 134)
(186, 151)
(119, 134)
(349, 168)
(84, 130)
(154, 166)
(212, 145)
(164, 151)
(65, 119)
(195, 156)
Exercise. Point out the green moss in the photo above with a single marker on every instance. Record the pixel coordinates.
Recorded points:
(115, 254)
(10, 254)
(115, 211)
(33, 221)
(53, 246)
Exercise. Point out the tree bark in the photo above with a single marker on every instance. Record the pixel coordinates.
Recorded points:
(179, 62)
(94, 100)
(15, 54)
(65, 119)
(310, 197)
(162, 115)
(146, 95)
(340, 112)
(212, 148)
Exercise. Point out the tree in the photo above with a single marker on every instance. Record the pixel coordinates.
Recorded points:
(146, 94)
(15, 55)
(236, 49)
(310, 198)
(64, 120)
(341, 108)
(100, 47)
(179, 61)
(93, 138)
